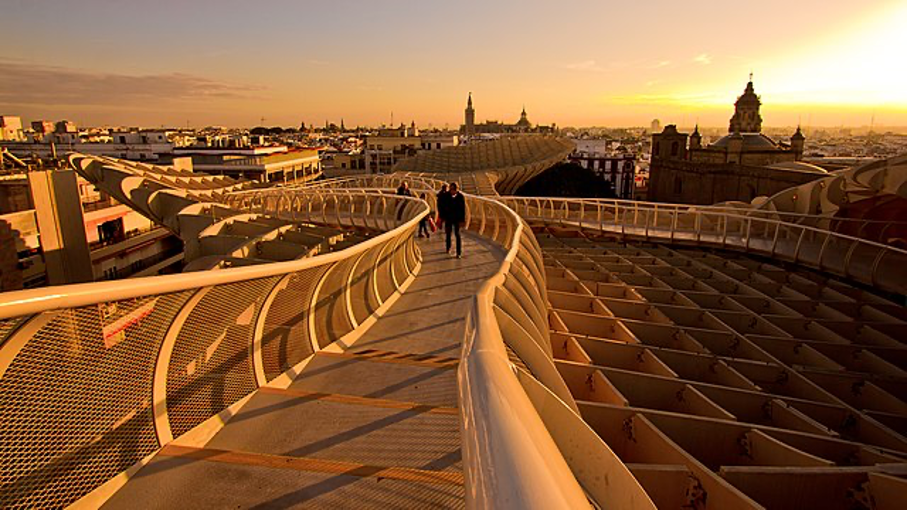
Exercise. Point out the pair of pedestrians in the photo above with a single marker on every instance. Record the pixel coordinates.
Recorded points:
(452, 210)
(404, 191)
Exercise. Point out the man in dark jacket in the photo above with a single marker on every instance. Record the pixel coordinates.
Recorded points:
(455, 215)
(442, 204)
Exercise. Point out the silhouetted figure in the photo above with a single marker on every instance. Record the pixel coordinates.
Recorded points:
(442, 203)
(404, 191)
(424, 222)
(454, 217)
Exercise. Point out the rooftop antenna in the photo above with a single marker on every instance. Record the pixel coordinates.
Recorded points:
(262, 120)
(392, 118)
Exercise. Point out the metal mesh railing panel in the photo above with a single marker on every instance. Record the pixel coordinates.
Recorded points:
(400, 264)
(211, 366)
(285, 338)
(386, 285)
(362, 298)
(412, 255)
(330, 312)
(75, 404)
(7, 326)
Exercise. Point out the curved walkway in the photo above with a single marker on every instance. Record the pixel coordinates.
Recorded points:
(375, 425)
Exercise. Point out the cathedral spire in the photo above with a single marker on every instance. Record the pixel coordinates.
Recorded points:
(469, 117)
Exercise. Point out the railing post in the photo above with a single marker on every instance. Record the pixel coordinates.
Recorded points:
(881, 237)
(724, 229)
(775, 238)
(875, 266)
(847, 260)
(599, 217)
(798, 245)
(646, 226)
(823, 249)
(748, 233)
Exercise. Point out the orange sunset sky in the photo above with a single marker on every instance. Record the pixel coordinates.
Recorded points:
(574, 63)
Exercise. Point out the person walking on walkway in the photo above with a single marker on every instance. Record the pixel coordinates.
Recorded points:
(455, 216)
(442, 203)
(424, 222)
(404, 191)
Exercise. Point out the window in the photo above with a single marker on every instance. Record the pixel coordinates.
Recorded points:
(677, 185)
(674, 148)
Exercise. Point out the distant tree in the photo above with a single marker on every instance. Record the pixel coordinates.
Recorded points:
(275, 130)
(567, 180)
(260, 130)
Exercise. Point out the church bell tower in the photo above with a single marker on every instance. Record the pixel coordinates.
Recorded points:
(747, 112)
(469, 117)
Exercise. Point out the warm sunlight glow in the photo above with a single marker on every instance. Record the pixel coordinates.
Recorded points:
(850, 75)
(864, 67)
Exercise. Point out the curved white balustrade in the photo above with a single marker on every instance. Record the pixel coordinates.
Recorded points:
(96, 377)
(519, 452)
(823, 222)
(867, 262)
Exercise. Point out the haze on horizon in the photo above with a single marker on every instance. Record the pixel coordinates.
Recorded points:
(574, 63)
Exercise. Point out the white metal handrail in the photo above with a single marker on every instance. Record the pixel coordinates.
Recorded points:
(859, 259)
(392, 181)
(668, 207)
(524, 443)
(32, 301)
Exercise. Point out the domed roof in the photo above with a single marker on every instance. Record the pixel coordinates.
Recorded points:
(752, 141)
(523, 122)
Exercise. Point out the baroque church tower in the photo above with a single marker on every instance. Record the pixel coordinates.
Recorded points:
(747, 112)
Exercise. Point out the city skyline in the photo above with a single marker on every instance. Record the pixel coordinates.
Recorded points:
(576, 64)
